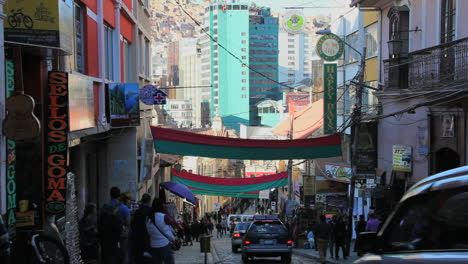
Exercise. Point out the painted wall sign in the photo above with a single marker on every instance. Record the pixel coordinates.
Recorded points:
(402, 158)
(329, 88)
(294, 21)
(330, 47)
(338, 171)
(125, 104)
(11, 157)
(56, 128)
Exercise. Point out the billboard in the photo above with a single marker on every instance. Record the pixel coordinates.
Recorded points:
(47, 23)
(124, 104)
(294, 21)
(81, 102)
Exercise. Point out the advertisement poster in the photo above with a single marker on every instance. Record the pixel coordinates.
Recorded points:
(329, 104)
(366, 160)
(402, 158)
(56, 128)
(264, 194)
(423, 141)
(124, 104)
(338, 171)
(81, 102)
(42, 23)
(294, 21)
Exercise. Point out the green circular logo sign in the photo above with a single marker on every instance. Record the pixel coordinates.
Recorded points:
(330, 47)
(294, 22)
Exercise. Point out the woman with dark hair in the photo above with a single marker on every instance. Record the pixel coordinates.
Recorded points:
(159, 229)
(89, 234)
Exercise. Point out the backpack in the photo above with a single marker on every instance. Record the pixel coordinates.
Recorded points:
(110, 224)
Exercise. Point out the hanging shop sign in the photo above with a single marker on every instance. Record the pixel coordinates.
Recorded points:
(366, 151)
(150, 95)
(330, 47)
(423, 139)
(264, 194)
(81, 102)
(124, 104)
(56, 128)
(338, 171)
(11, 157)
(294, 21)
(45, 23)
(329, 106)
(402, 158)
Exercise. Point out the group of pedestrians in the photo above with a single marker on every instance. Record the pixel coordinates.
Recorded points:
(115, 236)
(331, 235)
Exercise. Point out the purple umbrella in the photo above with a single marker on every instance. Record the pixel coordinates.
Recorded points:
(180, 190)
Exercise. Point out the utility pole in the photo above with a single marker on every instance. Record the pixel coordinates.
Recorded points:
(290, 167)
(356, 123)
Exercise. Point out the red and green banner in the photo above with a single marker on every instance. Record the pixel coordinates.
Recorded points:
(183, 143)
(233, 187)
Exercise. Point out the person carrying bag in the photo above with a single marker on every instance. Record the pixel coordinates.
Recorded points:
(162, 239)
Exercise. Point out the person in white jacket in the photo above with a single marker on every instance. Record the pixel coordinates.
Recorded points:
(159, 229)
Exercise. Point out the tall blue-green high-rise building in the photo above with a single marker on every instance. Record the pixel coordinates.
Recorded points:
(247, 34)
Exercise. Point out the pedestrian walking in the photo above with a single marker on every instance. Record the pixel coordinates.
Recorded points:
(331, 243)
(224, 226)
(210, 227)
(340, 237)
(188, 234)
(113, 220)
(138, 231)
(360, 227)
(310, 238)
(373, 223)
(322, 233)
(158, 225)
(195, 230)
(219, 230)
(89, 240)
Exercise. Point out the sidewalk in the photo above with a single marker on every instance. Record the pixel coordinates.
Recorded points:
(313, 254)
(192, 255)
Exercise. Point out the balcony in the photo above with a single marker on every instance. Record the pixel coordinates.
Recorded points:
(437, 67)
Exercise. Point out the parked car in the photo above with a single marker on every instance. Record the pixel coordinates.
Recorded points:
(238, 235)
(267, 237)
(429, 225)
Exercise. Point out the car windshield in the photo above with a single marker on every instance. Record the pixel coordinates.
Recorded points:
(242, 226)
(267, 227)
(431, 222)
(235, 218)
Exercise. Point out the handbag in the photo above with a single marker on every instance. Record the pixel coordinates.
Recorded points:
(175, 244)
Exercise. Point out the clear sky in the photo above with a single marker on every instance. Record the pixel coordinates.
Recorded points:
(321, 6)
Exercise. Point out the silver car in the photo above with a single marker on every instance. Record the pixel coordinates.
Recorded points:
(429, 225)
(238, 235)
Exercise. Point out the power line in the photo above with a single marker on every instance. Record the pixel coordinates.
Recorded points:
(228, 51)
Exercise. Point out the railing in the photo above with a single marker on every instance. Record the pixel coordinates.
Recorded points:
(437, 67)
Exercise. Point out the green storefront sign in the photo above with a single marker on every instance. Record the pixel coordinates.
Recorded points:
(329, 104)
(330, 47)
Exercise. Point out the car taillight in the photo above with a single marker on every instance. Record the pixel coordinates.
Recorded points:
(290, 242)
(236, 235)
(247, 242)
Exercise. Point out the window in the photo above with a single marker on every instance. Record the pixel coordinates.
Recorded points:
(290, 74)
(244, 80)
(109, 50)
(244, 96)
(263, 59)
(372, 43)
(174, 106)
(290, 51)
(243, 34)
(263, 52)
(127, 61)
(147, 57)
(434, 221)
(244, 88)
(79, 41)
(244, 57)
(244, 41)
(291, 63)
(290, 40)
(351, 55)
(291, 58)
(290, 46)
(244, 73)
(244, 50)
(447, 23)
(244, 7)
(236, 7)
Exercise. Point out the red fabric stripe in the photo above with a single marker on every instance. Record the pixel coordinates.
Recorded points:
(229, 181)
(160, 133)
(193, 188)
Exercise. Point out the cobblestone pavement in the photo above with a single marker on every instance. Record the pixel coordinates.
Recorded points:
(223, 255)
(192, 255)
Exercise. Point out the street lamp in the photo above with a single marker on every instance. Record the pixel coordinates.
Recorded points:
(356, 123)
(394, 47)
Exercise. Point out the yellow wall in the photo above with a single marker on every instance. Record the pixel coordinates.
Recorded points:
(370, 17)
(372, 70)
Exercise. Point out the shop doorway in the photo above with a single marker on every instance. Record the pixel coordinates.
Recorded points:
(446, 159)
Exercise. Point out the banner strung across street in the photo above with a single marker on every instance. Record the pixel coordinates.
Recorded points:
(192, 144)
